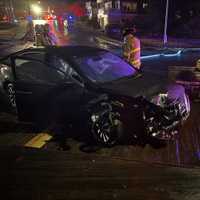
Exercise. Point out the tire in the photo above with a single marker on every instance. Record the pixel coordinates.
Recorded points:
(106, 128)
(9, 89)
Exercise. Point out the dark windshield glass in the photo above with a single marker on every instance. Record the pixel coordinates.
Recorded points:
(104, 67)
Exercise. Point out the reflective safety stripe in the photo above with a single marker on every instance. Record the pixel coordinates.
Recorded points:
(136, 61)
(126, 54)
(135, 50)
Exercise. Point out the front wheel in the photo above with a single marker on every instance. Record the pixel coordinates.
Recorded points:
(106, 127)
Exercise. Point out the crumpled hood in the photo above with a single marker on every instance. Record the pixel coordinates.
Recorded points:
(146, 84)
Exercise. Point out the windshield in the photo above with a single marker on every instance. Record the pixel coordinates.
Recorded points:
(104, 67)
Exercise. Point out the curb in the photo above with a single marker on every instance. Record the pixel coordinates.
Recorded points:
(109, 41)
(161, 51)
(176, 50)
(119, 44)
(146, 43)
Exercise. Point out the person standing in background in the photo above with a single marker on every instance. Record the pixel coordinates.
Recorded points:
(48, 37)
(131, 48)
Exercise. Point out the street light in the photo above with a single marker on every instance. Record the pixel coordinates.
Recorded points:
(166, 22)
(36, 9)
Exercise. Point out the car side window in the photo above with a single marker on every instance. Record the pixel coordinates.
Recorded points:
(57, 63)
(6, 61)
(73, 75)
(51, 60)
(37, 72)
(65, 67)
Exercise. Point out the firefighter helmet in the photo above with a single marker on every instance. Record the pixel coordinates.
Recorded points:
(129, 31)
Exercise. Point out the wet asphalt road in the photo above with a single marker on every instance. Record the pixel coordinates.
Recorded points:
(37, 174)
(85, 171)
(183, 151)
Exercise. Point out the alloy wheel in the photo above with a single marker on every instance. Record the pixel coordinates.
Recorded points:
(106, 129)
(11, 95)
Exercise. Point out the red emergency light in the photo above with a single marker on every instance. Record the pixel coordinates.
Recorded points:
(48, 17)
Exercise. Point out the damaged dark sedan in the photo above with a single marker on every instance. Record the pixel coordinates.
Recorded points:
(93, 89)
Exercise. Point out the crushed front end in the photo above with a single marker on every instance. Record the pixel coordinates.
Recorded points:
(164, 115)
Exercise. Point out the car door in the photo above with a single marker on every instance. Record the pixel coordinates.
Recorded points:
(39, 87)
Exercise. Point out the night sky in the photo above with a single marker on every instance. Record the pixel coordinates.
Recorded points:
(57, 5)
(20, 4)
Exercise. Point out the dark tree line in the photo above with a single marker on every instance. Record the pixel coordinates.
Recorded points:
(183, 17)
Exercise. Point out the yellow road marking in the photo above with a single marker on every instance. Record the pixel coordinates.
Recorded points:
(39, 140)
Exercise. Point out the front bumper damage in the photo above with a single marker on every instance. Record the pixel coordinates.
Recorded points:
(163, 121)
(159, 118)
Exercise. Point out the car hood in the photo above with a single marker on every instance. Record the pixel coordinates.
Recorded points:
(145, 84)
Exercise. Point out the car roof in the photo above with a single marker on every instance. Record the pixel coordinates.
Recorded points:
(66, 51)
(70, 51)
(61, 51)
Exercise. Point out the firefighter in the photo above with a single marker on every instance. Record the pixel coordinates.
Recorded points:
(48, 37)
(131, 48)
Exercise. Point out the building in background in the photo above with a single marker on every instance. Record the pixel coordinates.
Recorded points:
(91, 9)
(2, 10)
(116, 11)
(7, 10)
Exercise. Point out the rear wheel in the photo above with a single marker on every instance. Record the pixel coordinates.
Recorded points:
(9, 88)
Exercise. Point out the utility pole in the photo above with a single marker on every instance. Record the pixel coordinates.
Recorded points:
(9, 10)
(29, 7)
(12, 14)
(166, 22)
(6, 8)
